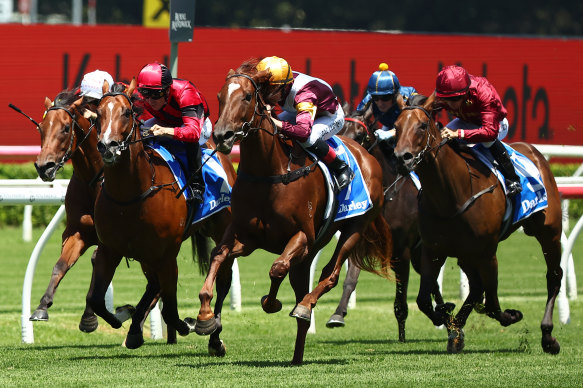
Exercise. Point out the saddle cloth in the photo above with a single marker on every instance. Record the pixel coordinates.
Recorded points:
(217, 193)
(533, 197)
(353, 200)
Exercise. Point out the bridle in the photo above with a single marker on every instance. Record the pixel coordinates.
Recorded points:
(259, 109)
(118, 149)
(70, 151)
(428, 148)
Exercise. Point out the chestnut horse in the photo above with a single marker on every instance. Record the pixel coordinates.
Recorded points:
(273, 210)
(400, 212)
(138, 215)
(461, 209)
(66, 134)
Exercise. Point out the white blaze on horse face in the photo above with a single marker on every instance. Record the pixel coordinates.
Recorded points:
(232, 87)
(107, 132)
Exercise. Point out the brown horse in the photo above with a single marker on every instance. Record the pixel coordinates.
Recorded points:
(66, 134)
(400, 212)
(138, 215)
(461, 210)
(278, 204)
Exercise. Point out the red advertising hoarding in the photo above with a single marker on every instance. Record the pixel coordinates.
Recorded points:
(538, 79)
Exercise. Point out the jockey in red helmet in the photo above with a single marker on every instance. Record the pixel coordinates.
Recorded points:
(481, 117)
(180, 112)
(311, 114)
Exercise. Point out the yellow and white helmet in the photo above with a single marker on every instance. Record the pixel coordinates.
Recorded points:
(281, 72)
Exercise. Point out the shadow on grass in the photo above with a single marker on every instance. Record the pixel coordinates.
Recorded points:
(266, 364)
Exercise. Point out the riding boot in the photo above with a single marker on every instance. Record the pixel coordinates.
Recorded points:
(194, 158)
(501, 156)
(342, 172)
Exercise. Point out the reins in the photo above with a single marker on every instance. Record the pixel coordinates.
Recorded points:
(247, 128)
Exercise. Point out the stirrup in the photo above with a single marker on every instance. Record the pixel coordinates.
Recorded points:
(513, 188)
(344, 178)
(197, 192)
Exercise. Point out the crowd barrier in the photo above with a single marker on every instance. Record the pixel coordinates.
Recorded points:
(35, 192)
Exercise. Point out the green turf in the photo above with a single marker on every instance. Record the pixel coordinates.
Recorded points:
(259, 346)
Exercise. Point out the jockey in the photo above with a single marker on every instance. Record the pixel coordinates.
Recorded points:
(310, 114)
(480, 116)
(383, 89)
(180, 113)
(91, 90)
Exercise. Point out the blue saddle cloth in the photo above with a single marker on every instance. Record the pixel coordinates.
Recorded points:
(354, 199)
(217, 193)
(533, 196)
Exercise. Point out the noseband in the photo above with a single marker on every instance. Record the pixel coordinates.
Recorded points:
(126, 142)
(70, 151)
(417, 158)
(247, 127)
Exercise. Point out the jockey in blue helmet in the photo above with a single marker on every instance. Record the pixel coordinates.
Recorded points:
(383, 89)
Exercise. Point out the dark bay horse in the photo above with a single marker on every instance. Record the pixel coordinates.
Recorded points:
(138, 215)
(282, 215)
(461, 209)
(400, 212)
(67, 134)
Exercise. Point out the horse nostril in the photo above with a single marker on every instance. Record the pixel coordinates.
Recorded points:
(228, 134)
(407, 156)
(101, 147)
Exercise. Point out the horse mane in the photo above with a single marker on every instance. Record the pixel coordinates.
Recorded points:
(66, 97)
(271, 93)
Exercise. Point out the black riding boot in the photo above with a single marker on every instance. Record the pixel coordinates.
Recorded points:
(194, 158)
(499, 153)
(342, 172)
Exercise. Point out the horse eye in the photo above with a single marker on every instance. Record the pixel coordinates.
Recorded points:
(66, 128)
(248, 97)
(127, 113)
(423, 126)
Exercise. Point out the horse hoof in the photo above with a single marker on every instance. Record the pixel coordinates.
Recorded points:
(270, 308)
(301, 312)
(455, 341)
(218, 349)
(134, 341)
(88, 323)
(205, 327)
(123, 313)
(335, 320)
(191, 323)
(552, 346)
(39, 315)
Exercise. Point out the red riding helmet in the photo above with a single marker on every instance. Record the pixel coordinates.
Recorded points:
(154, 76)
(452, 81)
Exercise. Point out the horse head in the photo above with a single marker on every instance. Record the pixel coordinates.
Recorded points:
(417, 134)
(116, 123)
(360, 127)
(62, 131)
(240, 104)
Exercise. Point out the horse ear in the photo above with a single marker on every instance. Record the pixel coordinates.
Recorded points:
(347, 108)
(428, 105)
(77, 102)
(48, 103)
(105, 87)
(131, 87)
(230, 73)
(400, 102)
(262, 76)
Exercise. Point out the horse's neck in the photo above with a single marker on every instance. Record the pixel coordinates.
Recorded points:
(87, 161)
(262, 154)
(445, 181)
(130, 176)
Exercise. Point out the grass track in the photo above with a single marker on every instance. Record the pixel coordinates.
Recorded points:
(259, 346)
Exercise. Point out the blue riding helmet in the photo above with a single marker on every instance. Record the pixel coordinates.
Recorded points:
(383, 82)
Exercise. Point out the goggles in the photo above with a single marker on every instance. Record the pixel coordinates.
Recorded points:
(154, 94)
(386, 97)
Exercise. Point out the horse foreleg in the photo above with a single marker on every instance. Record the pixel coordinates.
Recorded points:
(349, 285)
(299, 277)
(296, 248)
(135, 337)
(552, 253)
(74, 245)
(104, 268)
(400, 266)
(488, 270)
(329, 276)
(429, 268)
(216, 346)
(167, 274)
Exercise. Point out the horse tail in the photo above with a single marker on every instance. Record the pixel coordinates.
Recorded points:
(373, 252)
(200, 249)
